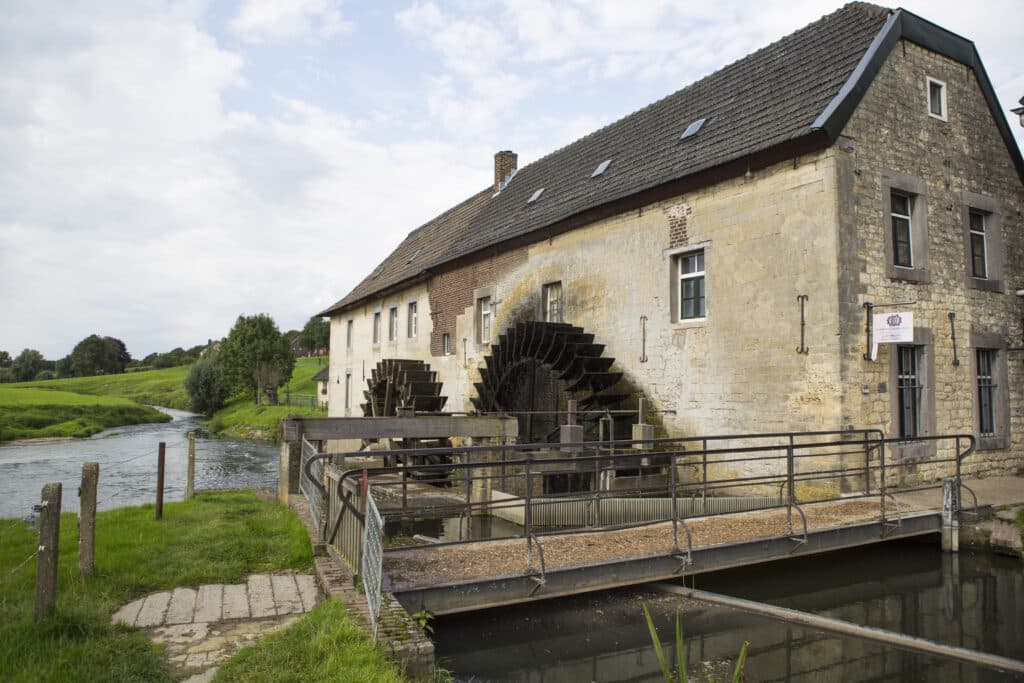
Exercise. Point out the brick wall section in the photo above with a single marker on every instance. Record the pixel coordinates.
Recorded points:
(892, 131)
(451, 292)
(677, 215)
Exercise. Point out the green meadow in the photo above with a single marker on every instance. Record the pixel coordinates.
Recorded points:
(27, 413)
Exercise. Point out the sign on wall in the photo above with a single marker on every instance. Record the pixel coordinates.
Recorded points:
(891, 328)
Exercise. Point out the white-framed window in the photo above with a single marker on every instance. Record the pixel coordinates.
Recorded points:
(936, 98)
(979, 251)
(901, 216)
(393, 323)
(552, 302)
(485, 319)
(348, 334)
(691, 291)
(446, 344)
(376, 327)
(411, 321)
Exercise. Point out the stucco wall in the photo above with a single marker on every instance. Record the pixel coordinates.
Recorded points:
(892, 132)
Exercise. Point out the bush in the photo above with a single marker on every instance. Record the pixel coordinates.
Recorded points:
(206, 387)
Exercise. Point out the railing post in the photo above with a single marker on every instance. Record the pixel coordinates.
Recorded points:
(881, 482)
(87, 517)
(190, 474)
(469, 498)
(49, 542)
(527, 516)
(704, 476)
(160, 460)
(675, 505)
(867, 465)
(789, 486)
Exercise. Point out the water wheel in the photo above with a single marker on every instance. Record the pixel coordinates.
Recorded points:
(398, 384)
(536, 367)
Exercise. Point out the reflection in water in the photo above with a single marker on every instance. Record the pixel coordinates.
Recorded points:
(971, 600)
(127, 458)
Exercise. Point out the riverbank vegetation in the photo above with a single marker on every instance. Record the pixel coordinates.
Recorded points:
(325, 645)
(28, 413)
(218, 537)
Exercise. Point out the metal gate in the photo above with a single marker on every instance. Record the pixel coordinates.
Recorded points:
(372, 560)
(313, 490)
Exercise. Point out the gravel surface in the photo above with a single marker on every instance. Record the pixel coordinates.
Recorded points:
(427, 565)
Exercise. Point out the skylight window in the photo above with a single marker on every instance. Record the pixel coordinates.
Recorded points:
(692, 129)
(535, 196)
(601, 168)
(417, 253)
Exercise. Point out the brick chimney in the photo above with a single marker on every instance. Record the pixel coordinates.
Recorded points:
(504, 164)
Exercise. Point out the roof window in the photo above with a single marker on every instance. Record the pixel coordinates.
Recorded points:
(692, 129)
(601, 168)
(535, 196)
(415, 254)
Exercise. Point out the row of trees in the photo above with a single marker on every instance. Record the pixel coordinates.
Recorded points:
(94, 355)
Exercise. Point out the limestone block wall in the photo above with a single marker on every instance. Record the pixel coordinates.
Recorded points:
(891, 134)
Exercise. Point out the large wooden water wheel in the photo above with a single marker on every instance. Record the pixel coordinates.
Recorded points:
(534, 368)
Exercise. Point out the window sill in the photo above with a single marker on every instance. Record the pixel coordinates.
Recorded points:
(992, 443)
(985, 285)
(909, 274)
(689, 322)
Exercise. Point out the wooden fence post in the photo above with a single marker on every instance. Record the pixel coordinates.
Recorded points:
(160, 480)
(87, 517)
(49, 544)
(190, 478)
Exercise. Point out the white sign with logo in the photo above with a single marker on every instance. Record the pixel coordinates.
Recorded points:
(891, 328)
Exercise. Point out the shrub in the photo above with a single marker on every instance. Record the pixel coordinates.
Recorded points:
(206, 387)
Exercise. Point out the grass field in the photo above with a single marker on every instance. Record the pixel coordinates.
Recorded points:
(243, 418)
(216, 538)
(149, 387)
(27, 413)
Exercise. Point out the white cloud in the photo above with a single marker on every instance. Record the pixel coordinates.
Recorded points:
(274, 21)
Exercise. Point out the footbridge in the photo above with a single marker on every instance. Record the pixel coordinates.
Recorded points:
(489, 522)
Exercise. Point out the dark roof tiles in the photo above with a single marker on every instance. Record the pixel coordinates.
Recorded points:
(765, 99)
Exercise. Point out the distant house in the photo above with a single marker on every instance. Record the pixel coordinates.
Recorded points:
(716, 252)
(321, 379)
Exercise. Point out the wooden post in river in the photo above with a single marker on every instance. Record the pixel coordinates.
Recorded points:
(190, 475)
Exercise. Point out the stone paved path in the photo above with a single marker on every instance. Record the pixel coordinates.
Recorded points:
(201, 627)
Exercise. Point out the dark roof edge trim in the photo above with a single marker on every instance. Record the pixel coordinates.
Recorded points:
(904, 24)
(380, 294)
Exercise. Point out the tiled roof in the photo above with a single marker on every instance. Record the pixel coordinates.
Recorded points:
(768, 98)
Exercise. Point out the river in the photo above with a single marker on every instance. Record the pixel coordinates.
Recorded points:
(128, 461)
(972, 600)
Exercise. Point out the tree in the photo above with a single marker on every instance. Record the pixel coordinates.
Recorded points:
(96, 355)
(206, 387)
(256, 357)
(5, 359)
(27, 365)
(315, 335)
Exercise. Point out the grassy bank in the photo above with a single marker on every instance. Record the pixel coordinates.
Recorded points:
(36, 413)
(242, 418)
(326, 645)
(149, 387)
(216, 538)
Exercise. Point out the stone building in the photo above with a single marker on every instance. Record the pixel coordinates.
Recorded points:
(714, 252)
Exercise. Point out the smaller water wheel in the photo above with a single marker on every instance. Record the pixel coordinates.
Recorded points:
(399, 384)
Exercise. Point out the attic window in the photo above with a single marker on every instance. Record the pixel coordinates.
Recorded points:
(601, 168)
(535, 196)
(417, 253)
(692, 129)
(936, 99)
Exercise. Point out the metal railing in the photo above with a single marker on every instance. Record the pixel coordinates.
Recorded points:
(300, 400)
(311, 482)
(785, 470)
(372, 565)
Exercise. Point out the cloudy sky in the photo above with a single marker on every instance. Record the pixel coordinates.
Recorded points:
(165, 167)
